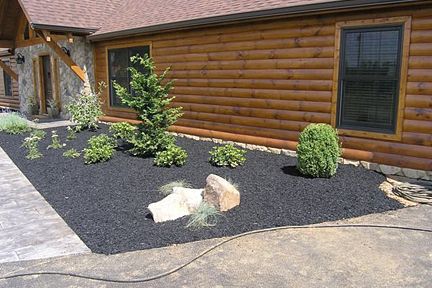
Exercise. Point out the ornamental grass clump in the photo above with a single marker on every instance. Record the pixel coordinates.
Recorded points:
(55, 141)
(86, 109)
(318, 151)
(31, 143)
(100, 149)
(167, 189)
(205, 216)
(227, 155)
(173, 155)
(150, 100)
(13, 123)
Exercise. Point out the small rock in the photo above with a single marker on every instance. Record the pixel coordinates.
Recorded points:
(182, 202)
(221, 193)
(412, 173)
(365, 164)
(389, 170)
(275, 150)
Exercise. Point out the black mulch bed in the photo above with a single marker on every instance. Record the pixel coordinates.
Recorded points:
(105, 204)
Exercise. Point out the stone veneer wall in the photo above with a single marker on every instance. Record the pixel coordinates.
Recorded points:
(70, 84)
(381, 168)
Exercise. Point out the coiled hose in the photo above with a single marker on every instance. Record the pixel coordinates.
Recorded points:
(178, 268)
(420, 192)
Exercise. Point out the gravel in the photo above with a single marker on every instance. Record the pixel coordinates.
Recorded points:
(105, 203)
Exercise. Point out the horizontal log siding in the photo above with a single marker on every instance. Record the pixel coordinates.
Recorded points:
(14, 101)
(263, 82)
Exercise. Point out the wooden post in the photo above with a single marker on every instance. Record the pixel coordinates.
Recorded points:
(8, 70)
(65, 58)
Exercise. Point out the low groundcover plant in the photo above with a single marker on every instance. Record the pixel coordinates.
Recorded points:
(173, 155)
(227, 155)
(100, 149)
(71, 153)
(13, 123)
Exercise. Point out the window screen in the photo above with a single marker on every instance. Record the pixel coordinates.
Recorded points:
(7, 84)
(119, 61)
(369, 78)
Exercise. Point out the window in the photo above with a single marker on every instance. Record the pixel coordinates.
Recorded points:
(119, 61)
(369, 78)
(7, 84)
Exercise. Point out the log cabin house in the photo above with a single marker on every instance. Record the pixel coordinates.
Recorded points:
(251, 71)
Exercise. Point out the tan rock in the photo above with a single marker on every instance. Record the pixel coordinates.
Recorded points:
(221, 193)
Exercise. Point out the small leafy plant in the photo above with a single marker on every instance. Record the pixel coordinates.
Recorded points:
(227, 155)
(71, 133)
(122, 130)
(71, 153)
(86, 108)
(206, 216)
(168, 188)
(13, 123)
(55, 141)
(31, 143)
(100, 149)
(38, 133)
(151, 102)
(173, 155)
(318, 151)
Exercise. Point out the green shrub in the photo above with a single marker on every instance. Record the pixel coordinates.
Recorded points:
(123, 130)
(31, 143)
(13, 123)
(151, 102)
(206, 216)
(86, 108)
(100, 149)
(168, 188)
(71, 133)
(318, 151)
(38, 133)
(227, 155)
(174, 155)
(71, 153)
(55, 141)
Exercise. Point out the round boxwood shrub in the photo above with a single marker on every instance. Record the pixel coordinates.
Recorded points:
(318, 151)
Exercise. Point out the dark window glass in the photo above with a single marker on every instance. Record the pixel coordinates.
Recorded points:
(369, 78)
(119, 61)
(7, 84)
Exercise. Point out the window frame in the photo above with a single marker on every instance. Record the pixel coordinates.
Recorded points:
(405, 23)
(122, 111)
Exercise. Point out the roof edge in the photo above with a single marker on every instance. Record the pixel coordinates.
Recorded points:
(59, 28)
(254, 15)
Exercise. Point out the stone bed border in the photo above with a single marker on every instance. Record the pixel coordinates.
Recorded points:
(380, 168)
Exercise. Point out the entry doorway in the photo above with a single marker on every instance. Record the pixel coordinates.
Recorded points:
(46, 82)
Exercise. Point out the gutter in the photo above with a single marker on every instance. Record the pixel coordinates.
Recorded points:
(248, 16)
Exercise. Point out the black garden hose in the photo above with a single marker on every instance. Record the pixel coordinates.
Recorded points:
(178, 268)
